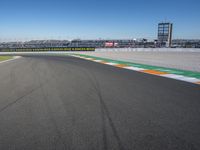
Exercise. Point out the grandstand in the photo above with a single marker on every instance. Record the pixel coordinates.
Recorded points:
(114, 43)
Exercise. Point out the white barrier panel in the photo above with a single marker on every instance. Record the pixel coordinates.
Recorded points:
(147, 49)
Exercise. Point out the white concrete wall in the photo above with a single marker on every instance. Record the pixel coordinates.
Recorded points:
(149, 49)
(186, 59)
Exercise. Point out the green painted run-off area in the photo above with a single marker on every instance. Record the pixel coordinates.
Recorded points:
(144, 66)
(2, 58)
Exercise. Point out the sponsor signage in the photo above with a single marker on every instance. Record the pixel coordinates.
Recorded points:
(47, 49)
(111, 44)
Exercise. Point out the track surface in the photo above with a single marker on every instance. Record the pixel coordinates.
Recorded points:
(49, 103)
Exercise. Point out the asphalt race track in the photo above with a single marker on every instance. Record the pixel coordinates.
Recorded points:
(66, 103)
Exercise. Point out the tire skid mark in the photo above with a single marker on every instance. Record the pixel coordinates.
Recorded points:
(44, 94)
(73, 116)
(12, 77)
(20, 98)
(104, 113)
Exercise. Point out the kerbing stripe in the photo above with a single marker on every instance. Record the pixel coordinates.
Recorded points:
(103, 62)
(89, 58)
(112, 64)
(155, 72)
(120, 65)
(98, 61)
(180, 77)
(134, 68)
(148, 71)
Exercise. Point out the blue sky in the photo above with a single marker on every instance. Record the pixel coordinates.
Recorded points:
(93, 19)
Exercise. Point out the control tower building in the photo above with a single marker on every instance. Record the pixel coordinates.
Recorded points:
(165, 34)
